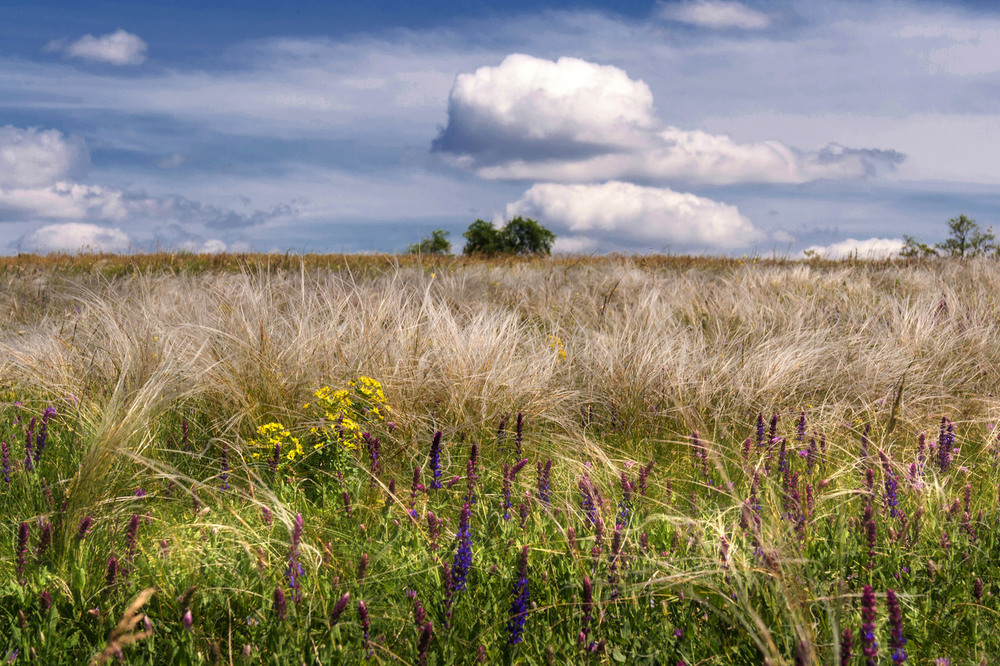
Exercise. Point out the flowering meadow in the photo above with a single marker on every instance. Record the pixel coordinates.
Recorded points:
(561, 461)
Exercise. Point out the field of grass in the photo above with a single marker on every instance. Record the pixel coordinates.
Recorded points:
(399, 460)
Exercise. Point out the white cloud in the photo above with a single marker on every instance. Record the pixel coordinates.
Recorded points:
(870, 248)
(63, 201)
(36, 158)
(117, 48)
(714, 14)
(649, 214)
(576, 121)
(210, 246)
(573, 245)
(75, 237)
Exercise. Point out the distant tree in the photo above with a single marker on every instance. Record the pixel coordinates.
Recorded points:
(526, 236)
(482, 238)
(437, 243)
(967, 239)
(915, 249)
(519, 236)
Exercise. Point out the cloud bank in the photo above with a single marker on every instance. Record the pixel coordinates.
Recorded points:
(645, 214)
(116, 48)
(75, 237)
(870, 248)
(576, 121)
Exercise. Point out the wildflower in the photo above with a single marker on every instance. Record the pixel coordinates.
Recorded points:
(800, 432)
(22, 550)
(891, 486)
(184, 434)
(587, 606)
(643, 475)
(5, 461)
(435, 461)
(29, 441)
(44, 537)
(462, 563)
(44, 601)
(977, 589)
(374, 448)
(519, 434)
(111, 571)
(544, 471)
(433, 529)
(760, 429)
(415, 487)
(471, 475)
(188, 621)
(524, 509)
(502, 431)
(869, 646)
(946, 440)
(43, 432)
(84, 528)
(921, 457)
(340, 607)
(424, 643)
(772, 431)
(294, 570)
(131, 533)
(365, 627)
(280, 605)
(746, 450)
(846, 647)
(346, 500)
(897, 641)
(519, 606)
(362, 567)
(571, 538)
(265, 515)
(625, 505)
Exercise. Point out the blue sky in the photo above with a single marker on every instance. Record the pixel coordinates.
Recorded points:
(683, 126)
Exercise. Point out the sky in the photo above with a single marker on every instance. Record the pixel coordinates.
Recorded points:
(682, 126)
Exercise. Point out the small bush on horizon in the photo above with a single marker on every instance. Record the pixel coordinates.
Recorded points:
(436, 243)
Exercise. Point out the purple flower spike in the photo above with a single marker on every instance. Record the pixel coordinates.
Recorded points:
(435, 461)
(340, 607)
(846, 647)
(519, 606)
(111, 572)
(463, 555)
(5, 461)
(84, 528)
(22, 549)
(365, 627)
(424, 644)
(869, 646)
(897, 641)
(280, 605)
(295, 571)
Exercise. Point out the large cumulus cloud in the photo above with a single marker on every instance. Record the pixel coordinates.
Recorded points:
(575, 121)
(618, 210)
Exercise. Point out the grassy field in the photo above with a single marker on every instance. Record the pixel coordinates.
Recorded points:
(341, 459)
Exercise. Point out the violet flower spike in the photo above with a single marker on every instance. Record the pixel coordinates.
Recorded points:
(518, 614)
(22, 550)
(340, 607)
(519, 434)
(462, 563)
(435, 461)
(5, 461)
(897, 641)
(869, 646)
(84, 528)
(365, 627)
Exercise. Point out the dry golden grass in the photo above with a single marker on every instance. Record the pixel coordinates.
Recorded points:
(691, 342)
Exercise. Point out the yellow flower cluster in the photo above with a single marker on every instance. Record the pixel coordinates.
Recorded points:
(555, 342)
(344, 410)
(274, 434)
